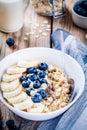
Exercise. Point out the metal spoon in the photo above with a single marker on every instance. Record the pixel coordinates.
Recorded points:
(72, 90)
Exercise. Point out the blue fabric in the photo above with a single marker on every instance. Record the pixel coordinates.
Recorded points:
(75, 48)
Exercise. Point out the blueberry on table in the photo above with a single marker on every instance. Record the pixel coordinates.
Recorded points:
(23, 78)
(36, 98)
(32, 77)
(42, 80)
(10, 123)
(10, 41)
(43, 66)
(25, 83)
(42, 92)
(41, 74)
(32, 70)
(36, 84)
(28, 90)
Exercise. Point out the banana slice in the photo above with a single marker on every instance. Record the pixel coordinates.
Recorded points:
(18, 99)
(24, 105)
(15, 69)
(37, 108)
(9, 86)
(13, 93)
(8, 77)
(27, 64)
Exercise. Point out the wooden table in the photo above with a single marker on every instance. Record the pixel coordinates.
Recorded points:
(31, 36)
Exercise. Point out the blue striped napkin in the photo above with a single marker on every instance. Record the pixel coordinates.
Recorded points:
(75, 48)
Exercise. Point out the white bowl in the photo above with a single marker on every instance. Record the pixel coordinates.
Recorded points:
(54, 57)
(79, 20)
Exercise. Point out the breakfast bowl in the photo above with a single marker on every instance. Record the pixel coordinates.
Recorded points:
(43, 55)
(79, 13)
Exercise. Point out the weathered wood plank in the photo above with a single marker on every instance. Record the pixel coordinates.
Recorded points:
(34, 24)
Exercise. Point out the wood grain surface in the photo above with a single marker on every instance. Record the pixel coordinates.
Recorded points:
(30, 35)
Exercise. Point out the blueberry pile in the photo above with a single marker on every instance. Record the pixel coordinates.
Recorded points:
(81, 8)
(36, 77)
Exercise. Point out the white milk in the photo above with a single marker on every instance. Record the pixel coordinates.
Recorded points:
(11, 15)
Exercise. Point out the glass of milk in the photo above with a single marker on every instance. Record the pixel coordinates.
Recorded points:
(11, 15)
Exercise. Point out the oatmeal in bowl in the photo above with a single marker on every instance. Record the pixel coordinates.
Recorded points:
(34, 84)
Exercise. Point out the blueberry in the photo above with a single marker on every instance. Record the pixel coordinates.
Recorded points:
(10, 41)
(10, 123)
(36, 98)
(0, 124)
(28, 90)
(42, 92)
(32, 70)
(23, 78)
(43, 66)
(41, 74)
(25, 83)
(42, 80)
(36, 84)
(32, 77)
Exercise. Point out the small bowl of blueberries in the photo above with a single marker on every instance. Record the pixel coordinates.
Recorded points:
(79, 13)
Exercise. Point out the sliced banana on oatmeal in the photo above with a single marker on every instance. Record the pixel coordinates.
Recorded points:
(19, 98)
(15, 69)
(36, 108)
(13, 93)
(24, 105)
(27, 64)
(9, 86)
(10, 77)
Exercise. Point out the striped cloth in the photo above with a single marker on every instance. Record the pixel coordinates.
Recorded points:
(75, 48)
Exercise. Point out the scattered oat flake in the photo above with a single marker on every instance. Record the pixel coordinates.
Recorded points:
(36, 36)
(25, 38)
(48, 26)
(44, 34)
(40, 31)
(42, 25)
(45, 22)
(47, 29)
